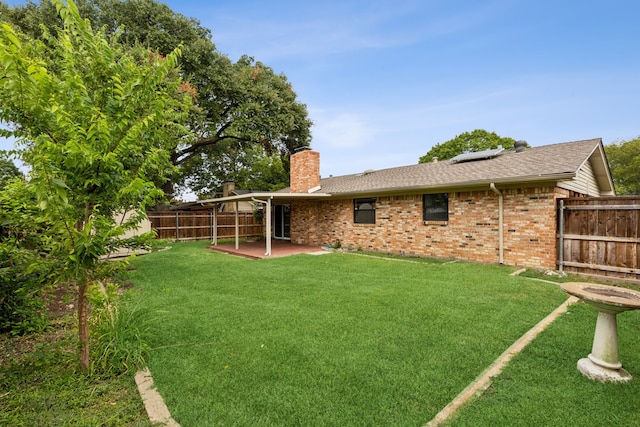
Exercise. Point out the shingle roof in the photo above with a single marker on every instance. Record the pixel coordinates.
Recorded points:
(550, 162)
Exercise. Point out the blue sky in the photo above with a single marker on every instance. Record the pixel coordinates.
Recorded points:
(384, 81)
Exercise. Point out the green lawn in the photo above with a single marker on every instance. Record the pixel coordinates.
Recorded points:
(337, 339)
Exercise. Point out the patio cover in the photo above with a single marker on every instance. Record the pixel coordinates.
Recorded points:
(262, 198)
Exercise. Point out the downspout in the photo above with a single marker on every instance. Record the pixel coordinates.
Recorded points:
(500, 220)
(561, 237)
(268, 225)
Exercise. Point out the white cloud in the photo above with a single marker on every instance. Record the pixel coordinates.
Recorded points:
(271, 40)
(343, 130)
(317, 30)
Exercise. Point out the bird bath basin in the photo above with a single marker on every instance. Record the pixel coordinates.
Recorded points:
(602, 363)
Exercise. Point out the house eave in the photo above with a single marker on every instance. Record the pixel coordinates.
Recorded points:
(462, 186)
(551, 179)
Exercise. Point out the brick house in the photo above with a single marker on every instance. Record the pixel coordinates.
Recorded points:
(497, 206)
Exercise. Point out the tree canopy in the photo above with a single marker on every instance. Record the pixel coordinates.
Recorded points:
(467, 142)
(250, 169)
(96, 125)
(8, 170)
(624, 161)
(236, 104)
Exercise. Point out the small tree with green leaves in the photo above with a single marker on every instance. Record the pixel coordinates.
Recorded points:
(96, 126)
(467, 142)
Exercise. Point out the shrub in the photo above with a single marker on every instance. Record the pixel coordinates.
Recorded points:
(119, 331)
(24, 267)
(20, 289)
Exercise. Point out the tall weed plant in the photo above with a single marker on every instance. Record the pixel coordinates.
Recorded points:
(120, 329)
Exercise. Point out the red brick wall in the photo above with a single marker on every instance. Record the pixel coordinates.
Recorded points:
(305, 171)
(470, 234)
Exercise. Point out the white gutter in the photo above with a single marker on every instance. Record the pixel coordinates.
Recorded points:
(500, 220)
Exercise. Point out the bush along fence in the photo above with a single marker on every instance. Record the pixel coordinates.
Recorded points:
(201, 225)
(600, 236)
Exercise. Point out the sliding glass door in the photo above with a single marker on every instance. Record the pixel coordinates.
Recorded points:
(282, 221)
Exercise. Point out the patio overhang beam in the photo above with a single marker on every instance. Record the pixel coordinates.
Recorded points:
(264, 196)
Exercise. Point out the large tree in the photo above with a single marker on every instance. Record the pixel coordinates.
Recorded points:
(96, 126)
(624, 160)
(238, 104)
(467, 142)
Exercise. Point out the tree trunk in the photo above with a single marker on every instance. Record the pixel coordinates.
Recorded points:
(168, 188)
(83, 324)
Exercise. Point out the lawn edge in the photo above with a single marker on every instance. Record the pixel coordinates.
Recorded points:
(483, 381)
(153, 403)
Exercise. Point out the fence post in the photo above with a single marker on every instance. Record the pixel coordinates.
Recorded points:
(178, 226)
(215, 225)
(211, 223)
(561, 237)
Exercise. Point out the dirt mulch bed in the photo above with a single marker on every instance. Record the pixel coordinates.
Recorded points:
(60, 311)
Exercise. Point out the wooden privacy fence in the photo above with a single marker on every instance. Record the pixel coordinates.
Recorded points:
(199, 225)
(600, 236)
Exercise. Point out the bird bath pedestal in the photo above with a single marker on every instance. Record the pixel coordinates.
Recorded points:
(602, 364)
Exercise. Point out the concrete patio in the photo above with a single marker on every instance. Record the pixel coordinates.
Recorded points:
(257, 250)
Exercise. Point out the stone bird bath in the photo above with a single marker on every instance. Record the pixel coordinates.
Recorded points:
(602, 364)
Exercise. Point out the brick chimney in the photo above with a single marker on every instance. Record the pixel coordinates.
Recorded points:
(305, 171)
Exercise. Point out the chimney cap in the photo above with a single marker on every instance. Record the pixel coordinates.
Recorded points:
(301, 149)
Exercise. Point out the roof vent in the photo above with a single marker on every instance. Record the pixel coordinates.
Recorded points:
(520, 146)
(479, 155)
(366, 172)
